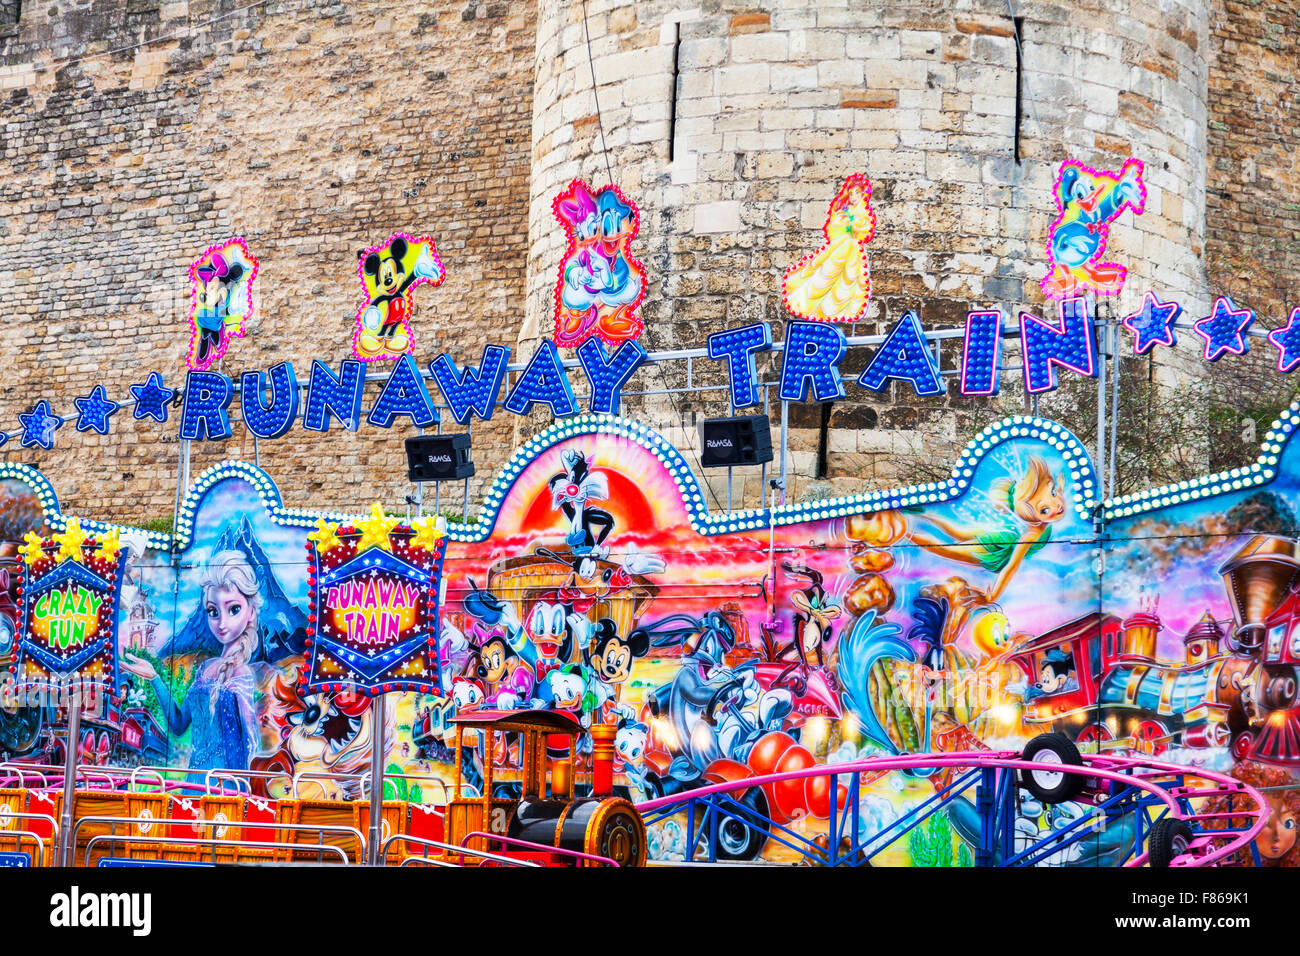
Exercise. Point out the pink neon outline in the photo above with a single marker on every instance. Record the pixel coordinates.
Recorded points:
(1156, 303)
(1053, 360)
(638, 323)
(1232, 310)
(1292, 319)
(1103, 229)
(224, 344)
(965, 351)
(365, 304)
(861, 181)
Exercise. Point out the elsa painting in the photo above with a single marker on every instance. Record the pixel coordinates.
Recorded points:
(218, 706)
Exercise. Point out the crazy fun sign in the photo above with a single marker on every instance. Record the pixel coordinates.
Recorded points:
(373, 602)
(70, 587)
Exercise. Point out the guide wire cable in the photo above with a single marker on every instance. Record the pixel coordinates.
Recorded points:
(609, 174)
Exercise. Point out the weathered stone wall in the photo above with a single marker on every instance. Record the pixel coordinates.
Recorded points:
(772, 104)
(312, 128)
(315, 128)
(1253, 233)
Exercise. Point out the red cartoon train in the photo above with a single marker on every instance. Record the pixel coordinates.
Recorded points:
(1098, 678)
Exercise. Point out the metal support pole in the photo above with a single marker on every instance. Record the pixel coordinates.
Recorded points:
(464, 512)
(833, 838)
(437, 485)
(1114, 393)
(375, 837)
(984, 802)
(419, 489)
(762, 474)
(1101, 409)
(785, 445)
(70, 777)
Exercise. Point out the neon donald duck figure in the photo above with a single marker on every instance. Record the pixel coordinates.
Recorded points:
(1089, 201)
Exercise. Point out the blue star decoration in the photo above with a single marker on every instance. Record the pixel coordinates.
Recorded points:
(1153, 324)
(93, 411)
(39, 426)
(152, 398)
(1287, 342)
(1224, 329)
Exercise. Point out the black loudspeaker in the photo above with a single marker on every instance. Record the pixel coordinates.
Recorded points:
(735, 441)
(438, 457)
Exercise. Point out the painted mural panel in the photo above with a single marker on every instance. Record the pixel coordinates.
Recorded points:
(961, 616)
(21, 513)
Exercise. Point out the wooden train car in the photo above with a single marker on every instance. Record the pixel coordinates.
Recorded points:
(598, 826)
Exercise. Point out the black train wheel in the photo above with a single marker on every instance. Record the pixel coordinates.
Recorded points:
(1168, 839)
(1048, 751)
(616, 831)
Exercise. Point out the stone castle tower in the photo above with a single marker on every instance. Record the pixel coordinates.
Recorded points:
(135, 134)
(734, 124)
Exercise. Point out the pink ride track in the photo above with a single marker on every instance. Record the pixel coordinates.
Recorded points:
(1184, 816)
(1177, 816)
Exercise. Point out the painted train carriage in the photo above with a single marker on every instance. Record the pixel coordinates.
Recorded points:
(1101, 680)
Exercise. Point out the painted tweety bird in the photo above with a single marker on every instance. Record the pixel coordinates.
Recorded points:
(833, 284)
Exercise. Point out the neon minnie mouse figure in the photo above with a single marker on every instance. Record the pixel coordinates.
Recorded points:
(599, 285)
(388, 273)
(221, 283)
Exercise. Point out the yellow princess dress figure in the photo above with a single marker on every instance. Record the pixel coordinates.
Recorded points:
(834, 283)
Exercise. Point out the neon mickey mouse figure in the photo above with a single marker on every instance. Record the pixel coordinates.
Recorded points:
(388, 273)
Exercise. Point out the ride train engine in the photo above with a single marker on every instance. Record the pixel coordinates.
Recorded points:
(598, 824)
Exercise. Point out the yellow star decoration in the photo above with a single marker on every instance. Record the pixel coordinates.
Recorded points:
(375, 529)
(325, 536)
(71, 541)
(427, 534)
(31, 548)
(109, 545)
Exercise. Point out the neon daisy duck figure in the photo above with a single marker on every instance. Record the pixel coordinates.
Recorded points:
(1089, 201)
(599, 285)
